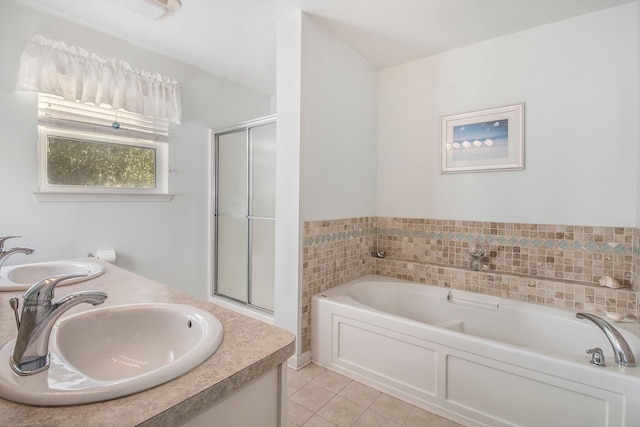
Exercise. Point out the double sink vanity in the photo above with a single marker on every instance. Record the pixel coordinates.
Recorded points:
(145, 355)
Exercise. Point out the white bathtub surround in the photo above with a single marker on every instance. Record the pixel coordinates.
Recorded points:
(479, 358)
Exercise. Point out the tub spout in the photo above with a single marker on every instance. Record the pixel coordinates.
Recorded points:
(621, 350)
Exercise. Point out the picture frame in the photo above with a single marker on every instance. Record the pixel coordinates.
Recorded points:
(484, 140)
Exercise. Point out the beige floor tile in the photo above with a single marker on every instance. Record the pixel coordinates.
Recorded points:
(371, 419)
(297, 415)
(421, 418)
(294, 382)
(359, 393)
(322, 398)
(331, 381)
(312, 397)
(310, 371)
(394, 409)
(318, 421)
(341, 411)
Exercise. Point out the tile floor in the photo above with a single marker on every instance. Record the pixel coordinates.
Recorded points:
(318, 397)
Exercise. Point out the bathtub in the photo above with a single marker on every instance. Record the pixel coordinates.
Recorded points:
(477, 359)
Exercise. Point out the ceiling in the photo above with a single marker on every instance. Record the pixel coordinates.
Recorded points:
(236, 39)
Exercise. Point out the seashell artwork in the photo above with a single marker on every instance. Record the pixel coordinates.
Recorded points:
(609, 282)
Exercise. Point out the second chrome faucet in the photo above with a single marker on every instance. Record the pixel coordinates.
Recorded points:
(4, 254)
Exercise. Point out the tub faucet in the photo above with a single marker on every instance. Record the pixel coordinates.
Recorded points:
(621, 350)
(6, 254)
(39, 314)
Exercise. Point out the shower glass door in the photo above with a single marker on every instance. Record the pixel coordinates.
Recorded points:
(231, 218)
(245, 214)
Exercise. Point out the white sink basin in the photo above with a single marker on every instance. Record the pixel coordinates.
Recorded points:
(111, 352)
(21, 277)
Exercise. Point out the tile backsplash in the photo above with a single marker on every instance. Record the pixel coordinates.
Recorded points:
(574, 253)
(333, 252)
(556, 265)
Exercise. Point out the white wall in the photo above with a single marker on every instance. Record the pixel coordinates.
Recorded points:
(326, 168)
(288, 246)
(579, 81)
(338, 130)
(163, 241)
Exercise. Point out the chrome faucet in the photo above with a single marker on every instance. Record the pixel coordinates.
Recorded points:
(621, 350)
(6, 254)
(39, 314)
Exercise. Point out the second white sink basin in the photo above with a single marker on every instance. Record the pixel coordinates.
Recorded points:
(21, 277)
(112, 352)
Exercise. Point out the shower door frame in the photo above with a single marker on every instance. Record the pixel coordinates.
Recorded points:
(213, 212)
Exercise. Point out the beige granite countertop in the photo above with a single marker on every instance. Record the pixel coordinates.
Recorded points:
(249, 349)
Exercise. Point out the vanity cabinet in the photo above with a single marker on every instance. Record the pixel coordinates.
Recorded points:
(259, 403)
(242, 384)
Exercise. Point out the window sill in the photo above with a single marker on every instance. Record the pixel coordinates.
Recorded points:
(48, 196)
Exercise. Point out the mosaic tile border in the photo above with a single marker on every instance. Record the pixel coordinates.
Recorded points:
(574, 245)
(563, 244)
(338, 236)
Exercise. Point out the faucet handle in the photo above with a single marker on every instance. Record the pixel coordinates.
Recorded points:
(597, 357)
(42, 292)
(5, 238)
(15, 303)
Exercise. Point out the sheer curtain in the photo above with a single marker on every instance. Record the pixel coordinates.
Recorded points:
(71, 72)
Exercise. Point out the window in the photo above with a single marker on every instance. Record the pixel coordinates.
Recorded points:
(103, 125)
(89, 152)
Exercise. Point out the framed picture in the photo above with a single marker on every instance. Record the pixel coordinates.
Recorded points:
(486, 140)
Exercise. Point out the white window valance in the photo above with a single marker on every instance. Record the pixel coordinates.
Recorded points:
(52, 67)
(55, 112)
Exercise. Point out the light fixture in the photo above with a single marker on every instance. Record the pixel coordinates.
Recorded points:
(152, 9)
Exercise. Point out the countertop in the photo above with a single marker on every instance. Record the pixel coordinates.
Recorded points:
(249, 349)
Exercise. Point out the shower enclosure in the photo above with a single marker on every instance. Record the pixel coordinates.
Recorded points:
(244, 213)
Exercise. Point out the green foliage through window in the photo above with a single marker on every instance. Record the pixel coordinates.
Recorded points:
(99, 164)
